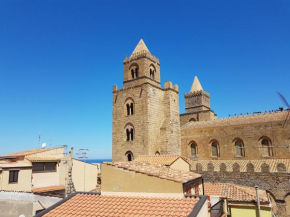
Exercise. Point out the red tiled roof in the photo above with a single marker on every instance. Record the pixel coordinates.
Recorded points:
(156, 170)
(234, 192)
(49, 188)
(249, 119)
(92, 205)
(159, 159)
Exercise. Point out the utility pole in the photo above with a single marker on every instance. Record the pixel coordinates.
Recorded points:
(258, 200)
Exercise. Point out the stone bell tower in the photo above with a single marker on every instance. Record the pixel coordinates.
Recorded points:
(197, 105)
(145, 115)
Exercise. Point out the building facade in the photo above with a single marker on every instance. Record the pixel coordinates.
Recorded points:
(145, 115)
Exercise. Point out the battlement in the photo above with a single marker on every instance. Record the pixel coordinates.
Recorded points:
(141, 54)
(196, 93)
(246, 166)
(168, 85)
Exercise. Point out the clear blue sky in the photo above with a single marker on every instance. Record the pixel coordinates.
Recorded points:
(59, 60)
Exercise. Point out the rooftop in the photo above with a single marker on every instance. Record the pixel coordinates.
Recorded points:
(156, 170)
(28, 152)
(5, 164)
(241, 120)
(159, 159)
(234, 192)
(93, 204)
(42, 159)
(48, 189)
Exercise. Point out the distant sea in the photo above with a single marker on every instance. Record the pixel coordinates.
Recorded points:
(96, 161)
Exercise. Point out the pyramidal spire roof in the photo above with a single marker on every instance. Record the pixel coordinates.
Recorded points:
(141, 46)
(196, 86)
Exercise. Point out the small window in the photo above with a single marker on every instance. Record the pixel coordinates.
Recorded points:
(50, 166)
(129, 133)
(157, 153)
(214, 149)
(134, 73)
(239, 148)
(13, 176)
(129, 108)
(129, 156)
(193, 150)
(36, 167)
(192, 119)
(42, 167)
(152, 74)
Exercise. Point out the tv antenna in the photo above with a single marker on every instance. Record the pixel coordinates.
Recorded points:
(288, 108)
(83, 155)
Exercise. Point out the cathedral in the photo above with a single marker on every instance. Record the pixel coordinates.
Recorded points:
(146, 120)
(251, 149)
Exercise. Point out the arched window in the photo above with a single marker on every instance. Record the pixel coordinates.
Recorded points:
(152, 72)
(193, 150)
(157, 153)
(239, 145)
(134, 71)
(266, 147)
(129, 156)
(129, 107)
(192, 119)
(214, 149)
(129, 129)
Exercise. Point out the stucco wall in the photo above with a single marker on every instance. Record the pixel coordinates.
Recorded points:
(44, 179)
(24, 180)
(84, 173)
(180, 164)
(118, 180)
(247, 211)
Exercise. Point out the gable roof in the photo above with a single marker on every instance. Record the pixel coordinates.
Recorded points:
(94, 204)
(234, 192)
(166, 160)
(28, 152)
(233, 121)
(156, 170)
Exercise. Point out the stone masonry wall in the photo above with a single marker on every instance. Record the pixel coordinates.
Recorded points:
(250, 134)
(276, 183)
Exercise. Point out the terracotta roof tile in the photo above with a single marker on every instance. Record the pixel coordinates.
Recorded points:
(234, 192)
(38, 159)
(28, 152)
(159, 159)
(49, 188)
(273, 163)
(249, 119)
(89, 205)
(156, 170)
